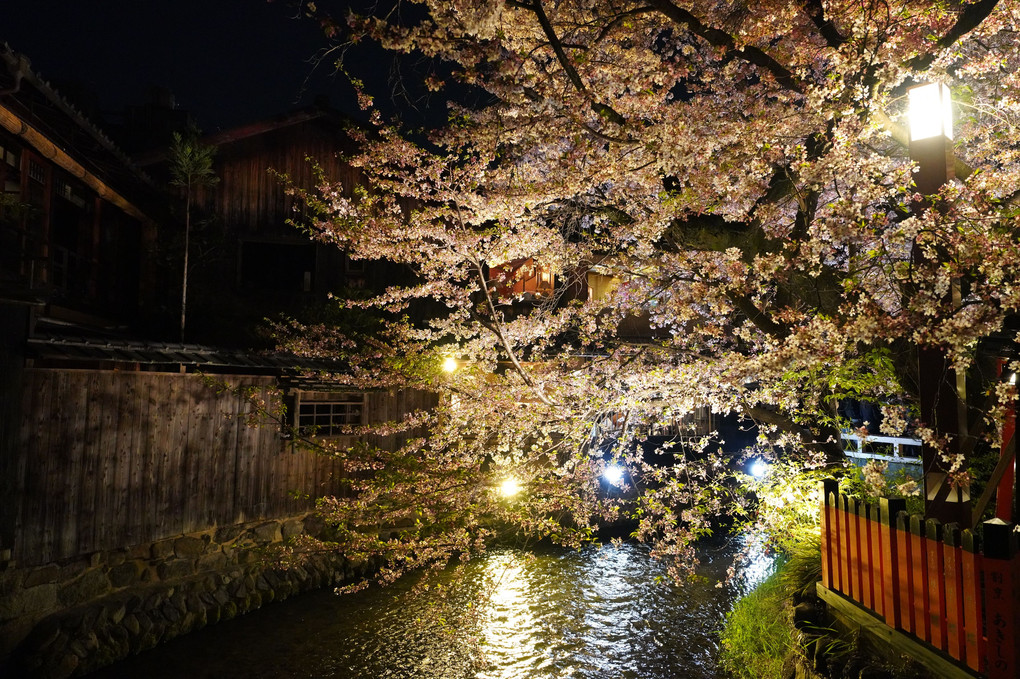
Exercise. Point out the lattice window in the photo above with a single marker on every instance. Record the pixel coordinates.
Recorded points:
(36, 171)
(329, 413)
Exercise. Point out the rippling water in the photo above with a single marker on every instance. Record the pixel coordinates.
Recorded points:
(602, 612)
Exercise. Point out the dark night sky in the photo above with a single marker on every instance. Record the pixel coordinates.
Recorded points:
(228, 62)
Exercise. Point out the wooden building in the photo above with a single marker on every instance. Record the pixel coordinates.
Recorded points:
(108, 437)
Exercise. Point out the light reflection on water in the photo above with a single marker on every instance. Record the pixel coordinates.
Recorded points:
(600, 612)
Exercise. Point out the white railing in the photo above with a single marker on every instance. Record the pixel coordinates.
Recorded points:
(853, 445)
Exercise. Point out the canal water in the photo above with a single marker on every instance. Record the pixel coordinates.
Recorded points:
(607, 612)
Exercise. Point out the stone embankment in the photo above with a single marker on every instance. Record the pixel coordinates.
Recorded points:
(70, 618)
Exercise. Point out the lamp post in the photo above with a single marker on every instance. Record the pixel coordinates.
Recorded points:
(942, 390)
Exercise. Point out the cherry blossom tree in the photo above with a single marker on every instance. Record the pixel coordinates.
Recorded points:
(736, 174)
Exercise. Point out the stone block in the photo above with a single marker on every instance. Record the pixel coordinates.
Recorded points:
(90, 585)
(62, 667)
(225, 534)
(170, 613)
(175, 568)
(36, 600)
(43, 575)
(73, 569)
(314, 525)
(188, 547)
(267, 532)
(291, 528)
(143, 551)
(130, 623)
(162, 549)
(116, 557)
(125, 574)
(228, 611)
(212, 562)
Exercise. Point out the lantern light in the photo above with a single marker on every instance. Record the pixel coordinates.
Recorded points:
(509, 487)
(930, 111)
(613, 475)
(759, 469)
(450, 364)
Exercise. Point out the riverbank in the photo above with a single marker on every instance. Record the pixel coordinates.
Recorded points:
(68, 619)
(783, 630)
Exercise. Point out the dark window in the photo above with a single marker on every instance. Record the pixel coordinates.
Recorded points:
(280, 267)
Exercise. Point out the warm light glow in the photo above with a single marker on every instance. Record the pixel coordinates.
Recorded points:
(450, 364)
(613, 475)
(509, 487)
(931, 111)
(1012, 378)
(759, 469)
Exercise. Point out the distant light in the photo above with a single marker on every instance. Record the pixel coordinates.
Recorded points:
(759, 469)
(613, 475)
(1012, 378)
(450, 364)
(509, 487)
(930, 111)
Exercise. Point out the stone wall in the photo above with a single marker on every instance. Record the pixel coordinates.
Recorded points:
(70, 618)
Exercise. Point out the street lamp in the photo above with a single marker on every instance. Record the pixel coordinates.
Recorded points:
(930, 111)
(450, 364)
(942, 390)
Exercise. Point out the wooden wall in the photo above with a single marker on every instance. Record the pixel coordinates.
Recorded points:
(252, 198)
(111, 459)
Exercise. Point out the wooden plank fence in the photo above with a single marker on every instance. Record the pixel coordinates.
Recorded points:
(111, 459)
(944, 586)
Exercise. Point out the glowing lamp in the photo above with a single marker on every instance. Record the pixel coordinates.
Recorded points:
(509, 487)
(930, 111)
(613, 475)
(450, 364)
(759, 469)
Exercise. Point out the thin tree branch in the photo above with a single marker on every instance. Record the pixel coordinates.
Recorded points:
(969, 19)
(816, 12)
(603, 110)
(719, 38)
(831, 447)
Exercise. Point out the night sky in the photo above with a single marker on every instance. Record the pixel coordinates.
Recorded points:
(228, 62)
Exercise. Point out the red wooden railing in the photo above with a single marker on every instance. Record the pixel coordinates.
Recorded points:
(937, 583)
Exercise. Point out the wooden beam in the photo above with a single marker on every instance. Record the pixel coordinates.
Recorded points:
(1005, 460)
(898, 643)
(49, 150)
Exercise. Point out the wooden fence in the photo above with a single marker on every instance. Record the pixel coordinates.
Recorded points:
(944, 586)
(110, 459)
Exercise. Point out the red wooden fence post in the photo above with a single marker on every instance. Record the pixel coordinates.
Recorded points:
(953, 558)
(905, 570)
(973, 619)
(843, 555)
(853, 565)
(864, 526)
(1001, 605)
(919, 590)
(888, 509)
(936, 583)
(830, 532)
